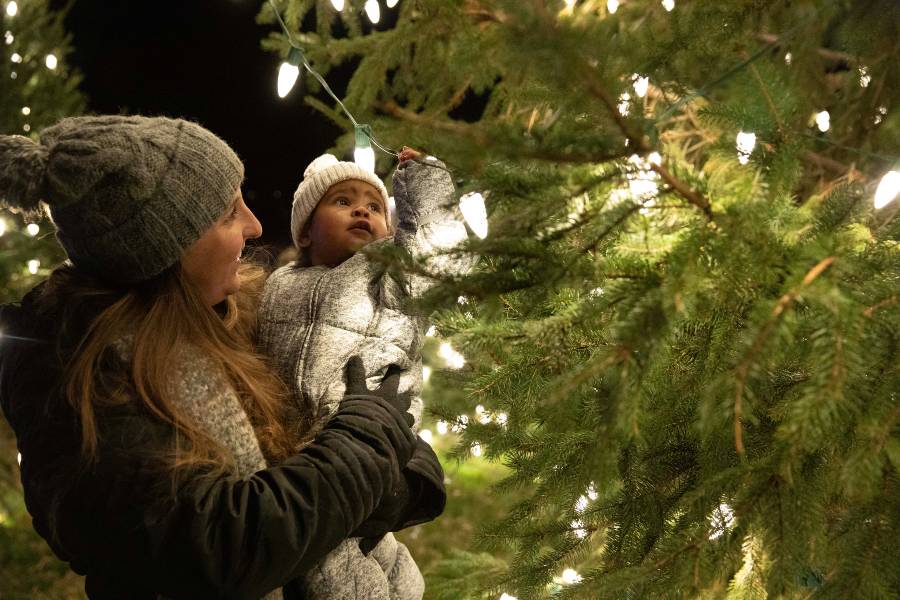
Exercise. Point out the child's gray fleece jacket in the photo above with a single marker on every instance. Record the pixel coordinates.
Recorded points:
(312, 319)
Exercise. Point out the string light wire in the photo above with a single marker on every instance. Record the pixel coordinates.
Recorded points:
(321, 80)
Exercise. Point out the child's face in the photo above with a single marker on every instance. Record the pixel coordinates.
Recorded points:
(350, 215)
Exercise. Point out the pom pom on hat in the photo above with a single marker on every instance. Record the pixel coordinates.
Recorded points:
(318, 177)
(23, 166)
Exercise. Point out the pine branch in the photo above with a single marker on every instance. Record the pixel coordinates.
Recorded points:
(743, 370)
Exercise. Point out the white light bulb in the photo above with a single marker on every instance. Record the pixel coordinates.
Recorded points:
(16, 57)
(8, 37)
(33, 265)
(570, 576)
(476, 449)
(640, 85)
(2, 226)
(426, 436)
(591, 492)
(33, 229)
(26, 127)
(612, 6)
(472, 207)
(570, 4)
(864, 78)
(12, 8)
(823, 121)
(365, 158)
(745, 144)
(338, 5)
(669, 5)
(19, 457)
(582, 504)
(479, 409)
(392, 3)
(505, 596)
(720, 521)
(51, 61)
(426, 373)
(287, 77)
(623, 104)
(888, 189)
(654, 158)
(442, 427)
(454, 359)
(373, 11)
(788, 58)
(501, 418)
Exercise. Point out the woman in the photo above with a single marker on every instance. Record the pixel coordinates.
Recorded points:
(144, 419)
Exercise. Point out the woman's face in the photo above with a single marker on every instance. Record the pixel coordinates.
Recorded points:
(212, 262)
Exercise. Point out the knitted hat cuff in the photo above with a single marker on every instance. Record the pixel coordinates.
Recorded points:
(316, 184)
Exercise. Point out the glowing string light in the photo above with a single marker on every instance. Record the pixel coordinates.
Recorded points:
(823, 121)
(33, 229)
(289, 71)
(426, 435)
(721, 521)
(669, 5)
(864, 78)
(2, 227)
(640, 85)
(476, 449)
(16, 57)
(338, 5)
(570, 576)
(426, 373)
(745, 143)
(373, 11)
(454, 359)
(33, 266)
(623, 104)
(8, 38)
(12, 9)
(442, 427)
(612, 6)
(392, 3)
(363, 154)
(472, 207)
(888, 188)
(51, 61)
(26, 110)
(505, 596)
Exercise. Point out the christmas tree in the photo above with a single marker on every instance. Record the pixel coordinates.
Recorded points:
(38, 89)
(682, 337)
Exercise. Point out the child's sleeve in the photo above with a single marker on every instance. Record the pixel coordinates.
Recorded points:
(429, 222)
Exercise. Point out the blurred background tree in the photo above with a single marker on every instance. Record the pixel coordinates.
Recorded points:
(679, 353)
(38, 88)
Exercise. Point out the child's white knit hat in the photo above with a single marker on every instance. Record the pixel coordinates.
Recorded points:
(319, 176)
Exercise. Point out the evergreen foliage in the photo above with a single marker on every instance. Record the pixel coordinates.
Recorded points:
(28, 569)
(697, 350)
(34, 97)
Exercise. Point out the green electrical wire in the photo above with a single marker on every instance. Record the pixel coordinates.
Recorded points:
(325, 85)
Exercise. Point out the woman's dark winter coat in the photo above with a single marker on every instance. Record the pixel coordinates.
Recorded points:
(125, 525)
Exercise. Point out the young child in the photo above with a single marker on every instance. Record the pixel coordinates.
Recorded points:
(334, 303)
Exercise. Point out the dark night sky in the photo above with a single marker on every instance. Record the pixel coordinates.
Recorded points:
(201, 59)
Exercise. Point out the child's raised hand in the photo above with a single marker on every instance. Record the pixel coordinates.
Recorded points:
(407, 153)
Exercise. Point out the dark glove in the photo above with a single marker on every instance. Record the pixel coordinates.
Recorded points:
(390, 383)
(419, 498)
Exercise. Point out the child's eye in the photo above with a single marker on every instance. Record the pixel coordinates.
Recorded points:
(343, 201)
(375, 207)
(232, 215)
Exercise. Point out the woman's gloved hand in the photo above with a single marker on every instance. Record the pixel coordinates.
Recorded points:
(390, 383)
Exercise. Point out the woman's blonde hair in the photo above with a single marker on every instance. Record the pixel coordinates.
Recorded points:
(161, 315)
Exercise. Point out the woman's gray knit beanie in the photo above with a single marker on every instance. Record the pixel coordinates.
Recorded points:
(128, 195)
